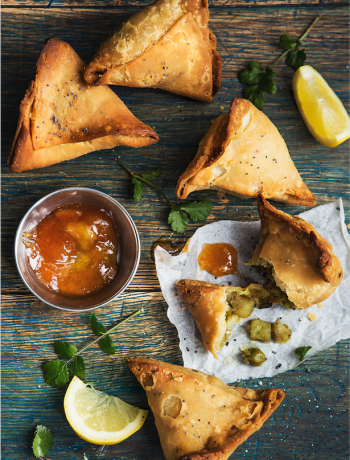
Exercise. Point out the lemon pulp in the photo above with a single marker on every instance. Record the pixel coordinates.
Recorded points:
(321, 109)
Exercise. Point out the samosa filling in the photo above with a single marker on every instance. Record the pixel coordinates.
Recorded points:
(240, 304)
(276, 293)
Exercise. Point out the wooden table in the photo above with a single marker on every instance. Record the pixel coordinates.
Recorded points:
(312, 423)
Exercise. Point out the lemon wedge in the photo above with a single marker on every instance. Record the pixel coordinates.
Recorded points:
(321, 109)
(99, 418)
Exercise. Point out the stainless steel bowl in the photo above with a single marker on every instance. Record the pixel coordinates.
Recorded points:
(128, 253)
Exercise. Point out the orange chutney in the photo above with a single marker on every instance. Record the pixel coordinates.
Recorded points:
(73, 250)
(218, 259)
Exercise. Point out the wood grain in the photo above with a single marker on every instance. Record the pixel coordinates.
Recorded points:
(313, 421)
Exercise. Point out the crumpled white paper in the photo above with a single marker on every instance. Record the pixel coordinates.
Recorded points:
(333, 318)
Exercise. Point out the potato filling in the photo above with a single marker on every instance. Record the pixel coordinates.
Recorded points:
(276, 293)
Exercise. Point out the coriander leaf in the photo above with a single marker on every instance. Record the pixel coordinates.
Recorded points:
(252, 74)
(178, 220)
(56, 374)
(96, 327)
(106, 345)
(42, 441)
(286, 42)
(255, 95)
(64, 350)
(138, 189)
(151, 175)
(301, 352)
(78, 367)
(198, 210)
(296, 58)
(266, 83)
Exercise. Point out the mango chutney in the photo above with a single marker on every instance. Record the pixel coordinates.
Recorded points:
(218, 259)
(73, 250)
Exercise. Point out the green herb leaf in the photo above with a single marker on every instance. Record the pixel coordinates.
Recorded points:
(78, 367)
(56, 374)
(301, 352)
(96, 327)
(252, 74)
(64, 350)
(286, 42)
(138, 189)
(198, 210)
(266, 83)
(151, 175)
(106, 345)
(296, 58)
(177, 220)
(255, 95)
(42, 441)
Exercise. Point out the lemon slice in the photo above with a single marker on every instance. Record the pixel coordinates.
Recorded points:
(99, 418)
(321, 109)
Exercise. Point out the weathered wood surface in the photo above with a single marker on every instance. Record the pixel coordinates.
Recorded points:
(313, 421)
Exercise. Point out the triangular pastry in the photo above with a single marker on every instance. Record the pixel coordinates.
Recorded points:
(62, 118)
(216, 308)
(198, 416)
(244, 154)
(167, 45)
(299, 262)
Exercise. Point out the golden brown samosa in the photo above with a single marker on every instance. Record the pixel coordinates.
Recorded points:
(216, 308)
(299, 261)
(198, 416)
(244, 154)
(62, 118)
(167, 45)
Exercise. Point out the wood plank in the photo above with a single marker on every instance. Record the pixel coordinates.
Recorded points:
(136, 5)
(312, 422)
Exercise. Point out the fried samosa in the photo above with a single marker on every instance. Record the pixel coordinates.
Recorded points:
(216, 308)
(62, 118)
(298, 261)
(244, 154)
(198, 416)
(167, 45)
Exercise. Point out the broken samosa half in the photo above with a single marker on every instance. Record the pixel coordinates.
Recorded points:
(298, 261)
(167, 45)
(62, 118)
(244, 154)
(198, 416)
(216, 308)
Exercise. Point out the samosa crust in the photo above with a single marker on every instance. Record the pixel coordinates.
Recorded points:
(302, 261)
(198, 416)
(167, 45)
(244, 154)
(62, 118)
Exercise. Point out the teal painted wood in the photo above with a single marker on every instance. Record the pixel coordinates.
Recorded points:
(313, 421)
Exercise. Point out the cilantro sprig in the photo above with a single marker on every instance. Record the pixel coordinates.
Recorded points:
(42, 441)
(301, 352)
(56, 372)
(177, 219)
(260, 80)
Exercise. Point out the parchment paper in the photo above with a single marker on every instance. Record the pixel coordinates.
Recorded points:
(333, 318)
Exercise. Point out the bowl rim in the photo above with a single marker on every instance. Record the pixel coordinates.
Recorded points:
(19, 232)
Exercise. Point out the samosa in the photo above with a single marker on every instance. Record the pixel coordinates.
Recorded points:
(198, 416)
(167, 45)
(244, 154)
(216, 308)
(300, 263)
(62, 118)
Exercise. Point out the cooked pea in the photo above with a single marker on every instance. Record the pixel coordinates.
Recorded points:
(280, 332)
(260, 330)
(254, 356)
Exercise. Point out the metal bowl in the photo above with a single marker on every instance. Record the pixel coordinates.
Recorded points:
(128, 252)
